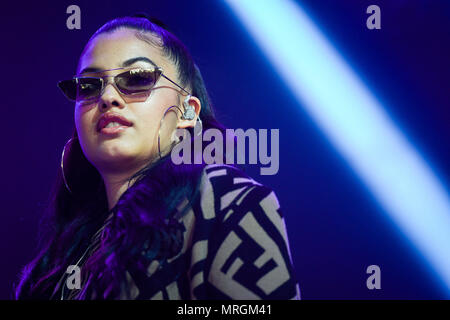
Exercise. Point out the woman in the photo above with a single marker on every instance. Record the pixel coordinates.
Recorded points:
(137, 225)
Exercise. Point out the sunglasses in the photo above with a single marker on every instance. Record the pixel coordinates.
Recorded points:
(131, 82)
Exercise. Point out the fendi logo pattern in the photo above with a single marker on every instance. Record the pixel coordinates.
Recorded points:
(235, 246)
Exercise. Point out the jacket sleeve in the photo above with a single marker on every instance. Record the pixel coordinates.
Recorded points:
(248, 253)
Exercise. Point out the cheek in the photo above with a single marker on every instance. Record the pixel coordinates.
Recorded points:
(81, 122)
(168, 125)
(150, 114)
(149, 126)
(149, 120)
(83, 125)
(78, 123)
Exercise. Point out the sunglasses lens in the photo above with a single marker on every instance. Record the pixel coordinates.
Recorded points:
(88, 88)
(129, 82)
(136, 81)
(69, 88)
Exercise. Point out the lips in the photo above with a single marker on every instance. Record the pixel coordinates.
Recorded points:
(112, 117)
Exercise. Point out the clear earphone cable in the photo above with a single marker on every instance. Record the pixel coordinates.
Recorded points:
(160, 126)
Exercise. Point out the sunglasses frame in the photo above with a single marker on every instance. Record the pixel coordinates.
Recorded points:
(157, 70)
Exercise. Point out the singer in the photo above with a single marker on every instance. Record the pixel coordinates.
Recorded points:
(135, 224)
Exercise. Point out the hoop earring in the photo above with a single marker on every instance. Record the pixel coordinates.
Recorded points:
(160, 126)
(62, 163)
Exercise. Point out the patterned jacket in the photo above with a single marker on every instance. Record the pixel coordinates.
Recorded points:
(235, 246)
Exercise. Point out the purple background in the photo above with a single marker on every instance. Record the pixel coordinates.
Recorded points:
(335, 227)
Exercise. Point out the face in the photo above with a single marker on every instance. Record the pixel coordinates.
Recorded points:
(133, 146)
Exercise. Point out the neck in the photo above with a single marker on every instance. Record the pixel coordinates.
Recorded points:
(115, 185)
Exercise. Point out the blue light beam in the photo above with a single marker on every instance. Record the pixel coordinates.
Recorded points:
(356, 124)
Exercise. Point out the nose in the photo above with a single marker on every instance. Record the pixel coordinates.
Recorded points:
(110, 97)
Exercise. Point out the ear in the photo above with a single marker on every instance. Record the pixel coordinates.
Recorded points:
(197, 105)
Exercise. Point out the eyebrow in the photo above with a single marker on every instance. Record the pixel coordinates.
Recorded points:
(126, 63)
